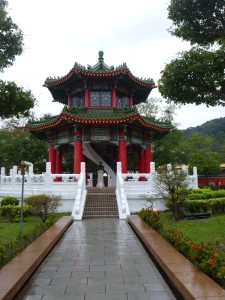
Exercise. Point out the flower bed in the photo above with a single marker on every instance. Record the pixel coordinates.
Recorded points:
(203, 256)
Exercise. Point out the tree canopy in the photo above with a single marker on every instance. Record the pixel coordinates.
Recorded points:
(196, 76)
(14, 100)
(11, 38)
(198, 21)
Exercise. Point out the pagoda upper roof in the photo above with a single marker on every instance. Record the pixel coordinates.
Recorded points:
(99, 117)
(99, 71)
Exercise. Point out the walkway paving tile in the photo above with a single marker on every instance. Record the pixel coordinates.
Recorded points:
(97, 259)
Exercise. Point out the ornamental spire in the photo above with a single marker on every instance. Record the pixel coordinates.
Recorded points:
(100, 56)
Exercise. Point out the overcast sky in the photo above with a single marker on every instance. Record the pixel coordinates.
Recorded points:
(59, 33)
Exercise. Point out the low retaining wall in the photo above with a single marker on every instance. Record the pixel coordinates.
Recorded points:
(15, 274)
(186, 278)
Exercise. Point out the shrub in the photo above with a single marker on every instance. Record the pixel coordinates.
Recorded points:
(216, 205)
(9, 200)
(12, 212)
(203, 256)
(44, 205)
(206, 193)
(197, 206)
(151, 217)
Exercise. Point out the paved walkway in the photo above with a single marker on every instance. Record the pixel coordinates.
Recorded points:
(97, 259)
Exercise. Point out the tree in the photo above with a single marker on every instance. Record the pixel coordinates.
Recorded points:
(19, 145)
(200, 156)
(197, 76)
(172, 186)
(11, 38)
(14, 100)
(44, 205)
(198, 21)
(170, 149)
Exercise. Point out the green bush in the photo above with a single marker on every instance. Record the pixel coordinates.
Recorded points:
(203, 255)
(197, 206)
(215, 206)
(12, 212)
(44, 205)
(205, 193)
(9, 200)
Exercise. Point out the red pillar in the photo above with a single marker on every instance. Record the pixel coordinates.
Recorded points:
(131, 101)
(51, 157)
(86, 97)
(141, 163)
(148, 158)
(113, 97)
(78, 152)
(58, 164)
(122, 155)
(69, 101)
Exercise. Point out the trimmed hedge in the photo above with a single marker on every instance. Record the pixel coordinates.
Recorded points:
(215, 206)
(203, 194)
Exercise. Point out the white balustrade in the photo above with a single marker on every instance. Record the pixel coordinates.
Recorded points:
(122, 203)
(79, 203)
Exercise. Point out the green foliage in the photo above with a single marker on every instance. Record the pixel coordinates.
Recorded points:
(12, 212)
(11, 38)
(172, 186)
(15, 101)
(152, 218)
(44, 205)
(9, 200)
(170, 148)
(19, 144)
(204, 194)
(197, 206)
(200, 156)
(200, 22)
(196, 76)
(9, 248)
(185, 79)
(202, 255)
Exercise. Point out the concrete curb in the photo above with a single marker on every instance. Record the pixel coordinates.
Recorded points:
(186, 278)
(15, 274)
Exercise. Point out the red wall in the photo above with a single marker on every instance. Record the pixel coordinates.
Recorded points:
(211, 180)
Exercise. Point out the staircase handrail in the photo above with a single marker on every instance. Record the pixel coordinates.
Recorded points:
(79, 203)
(121, 198)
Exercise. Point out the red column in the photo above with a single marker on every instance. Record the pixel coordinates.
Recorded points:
(122, 155)
(69, 101)
(113, 97)
(131, 101)
(58, 164)
(141, 163)
(78, 152)
(86, 97)
(148, 158)
(51, 157)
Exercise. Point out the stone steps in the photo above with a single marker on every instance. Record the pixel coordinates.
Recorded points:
(100, 203)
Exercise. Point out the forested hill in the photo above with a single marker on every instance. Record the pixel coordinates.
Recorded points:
(211, 128)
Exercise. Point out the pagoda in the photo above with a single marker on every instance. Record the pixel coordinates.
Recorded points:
(100, 121)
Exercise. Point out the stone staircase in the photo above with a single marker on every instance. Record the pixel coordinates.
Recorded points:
(100, 203)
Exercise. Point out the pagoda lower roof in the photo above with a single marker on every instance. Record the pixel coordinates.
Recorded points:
(99, 117)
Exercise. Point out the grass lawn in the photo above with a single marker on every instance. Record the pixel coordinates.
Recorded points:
(10, 230)
(201, 230)
(11, 242)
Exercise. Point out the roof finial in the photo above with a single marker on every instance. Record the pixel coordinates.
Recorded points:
(100, 56)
